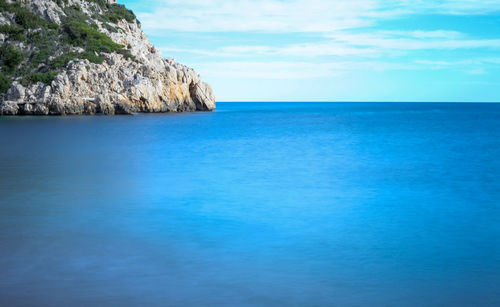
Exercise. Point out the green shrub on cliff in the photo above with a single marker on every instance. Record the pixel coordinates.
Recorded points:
(92, 57)
(28, 20)
(60, 2)
(114, 12)
(118, 12)
(23, 16)
(63, 60)
(39, 77)
(41, 57)
(14, 33)
(5, 82)
(83, 35)
(101, 3)
(42, 39)
(11, 57)
(109, 27)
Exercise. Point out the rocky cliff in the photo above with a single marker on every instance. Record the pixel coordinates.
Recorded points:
(88, 57)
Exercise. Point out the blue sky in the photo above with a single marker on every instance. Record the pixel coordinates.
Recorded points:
(318, 50)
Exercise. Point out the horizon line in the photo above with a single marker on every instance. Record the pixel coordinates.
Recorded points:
(356, 101)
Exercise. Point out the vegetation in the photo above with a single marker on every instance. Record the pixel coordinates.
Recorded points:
(28, 20)
(11, 57)
(13, 32)
(118, 12)
(54, 45)
(60, 2)
(126, 53)
(88, 37)
(63, 60)
(80, 31)
(39, 77)
(23, 16)
(109, 27)
(5, 82)
(114, 12)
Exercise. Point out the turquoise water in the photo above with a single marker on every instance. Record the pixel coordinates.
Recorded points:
(256, 204)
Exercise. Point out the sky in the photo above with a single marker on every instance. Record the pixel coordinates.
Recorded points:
(336, 50)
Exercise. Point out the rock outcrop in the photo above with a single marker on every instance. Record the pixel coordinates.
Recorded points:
(142, 82)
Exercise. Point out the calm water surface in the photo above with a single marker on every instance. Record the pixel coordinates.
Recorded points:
(306, 204)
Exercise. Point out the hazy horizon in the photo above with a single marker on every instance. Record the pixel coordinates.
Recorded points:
(354, 101)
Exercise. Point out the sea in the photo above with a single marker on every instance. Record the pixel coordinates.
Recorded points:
(255, 204)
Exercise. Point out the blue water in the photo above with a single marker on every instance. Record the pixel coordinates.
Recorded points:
(256, 204)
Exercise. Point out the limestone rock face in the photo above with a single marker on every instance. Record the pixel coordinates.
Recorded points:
(120, 85)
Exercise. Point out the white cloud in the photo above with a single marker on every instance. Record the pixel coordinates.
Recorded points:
(413, 40)
(468, 62)
(293, 70)
(346, 30)
(346, 44)
(476, 71)
(309, 50)
(446, 34)
(259, 15)
(450, 7)
(290, 16)
(308, 70)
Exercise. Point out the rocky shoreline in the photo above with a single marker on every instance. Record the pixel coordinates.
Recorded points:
(139, 81)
